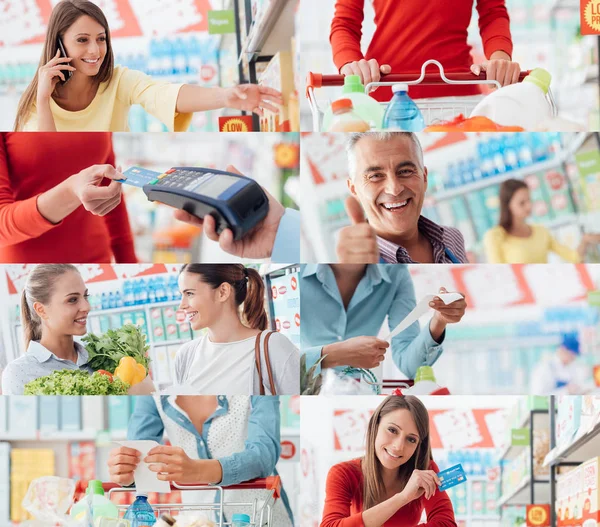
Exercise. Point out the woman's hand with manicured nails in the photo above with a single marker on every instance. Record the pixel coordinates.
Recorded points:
(367, 70)
(98, 200)
(122, 462)
(258, 243)
(171, 463)
(421, 482)
(49, 75)
(253, 98)
(500, 68)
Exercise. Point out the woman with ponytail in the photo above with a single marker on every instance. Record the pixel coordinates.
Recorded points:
(396, 480)
(228, 300)
(54, 309)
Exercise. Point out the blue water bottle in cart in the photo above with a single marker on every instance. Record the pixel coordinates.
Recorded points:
(240, 520)
(140, 513)
(402, 113)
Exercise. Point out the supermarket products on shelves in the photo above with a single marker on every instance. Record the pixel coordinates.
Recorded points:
(271, 30)
(583, 439)
(279, 74)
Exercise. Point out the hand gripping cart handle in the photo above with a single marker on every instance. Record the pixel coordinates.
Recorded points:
(260, 517)
(449, 106)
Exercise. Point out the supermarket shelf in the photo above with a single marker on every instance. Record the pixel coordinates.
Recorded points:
(521, 494)
(572, 5)
(271, 32)
(127, 309)
(582, 448)
(47, 437)
(558, 160)
(511, 451)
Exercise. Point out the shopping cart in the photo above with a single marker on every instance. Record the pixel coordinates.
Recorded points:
(433, 110)
(259, 517)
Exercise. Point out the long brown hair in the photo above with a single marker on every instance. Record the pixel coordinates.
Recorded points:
(373, 488)
(246, 283)
(39, 288)
(507, 191)
(63, 16)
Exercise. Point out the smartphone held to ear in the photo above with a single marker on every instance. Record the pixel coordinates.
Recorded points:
(67, 73)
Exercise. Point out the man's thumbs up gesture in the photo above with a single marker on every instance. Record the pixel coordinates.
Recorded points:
(357, 242)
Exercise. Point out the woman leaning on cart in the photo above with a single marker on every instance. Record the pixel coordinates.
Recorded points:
(396, 480)
(406, 38)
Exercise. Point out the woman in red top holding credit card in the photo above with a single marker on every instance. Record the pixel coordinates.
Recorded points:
(396, 480)
(59, 201)
(411, 32)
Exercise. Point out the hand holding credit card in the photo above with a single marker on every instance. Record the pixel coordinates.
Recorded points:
(451, 477)
(236, 202)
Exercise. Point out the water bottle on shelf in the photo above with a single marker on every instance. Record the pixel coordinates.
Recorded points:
(118, 299)
(485, 161)
(161, 295)
(524, 150)
(464, 170)
(497, 156)
(402, 113)
(475, 169)
(105, 301)
(140, 513)
(143, 291)
(449, 180)
(511, 159)
(538, 147)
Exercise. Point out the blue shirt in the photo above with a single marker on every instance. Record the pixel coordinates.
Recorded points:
(383, 290)
(38, 362)
(286, 248)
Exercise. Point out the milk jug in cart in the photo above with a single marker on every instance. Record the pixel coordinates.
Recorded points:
(365, 107)
(523, 104)
(102, 507)
(402, 113)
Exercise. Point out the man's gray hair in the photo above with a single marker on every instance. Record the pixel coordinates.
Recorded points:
(354, 138)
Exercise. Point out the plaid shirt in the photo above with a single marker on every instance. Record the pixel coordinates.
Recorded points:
(441, 238)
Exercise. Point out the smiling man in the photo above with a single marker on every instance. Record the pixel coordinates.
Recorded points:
(388, 180)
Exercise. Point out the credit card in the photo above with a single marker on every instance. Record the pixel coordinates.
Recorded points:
(451, 477)
(138, 176)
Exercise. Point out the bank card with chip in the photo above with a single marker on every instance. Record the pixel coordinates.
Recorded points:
(451, 477)
(138, 176)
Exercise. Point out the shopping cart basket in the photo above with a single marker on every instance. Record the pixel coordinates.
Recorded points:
(433, 110)
(259, 517)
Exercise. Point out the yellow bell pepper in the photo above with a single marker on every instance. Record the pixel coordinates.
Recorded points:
(130, 372)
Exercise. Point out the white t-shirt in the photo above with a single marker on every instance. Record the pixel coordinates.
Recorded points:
(229, 368)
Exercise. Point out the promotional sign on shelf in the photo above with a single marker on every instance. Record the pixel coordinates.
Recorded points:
(285, 295)
(450, 429)
(25, 21)
(322, 155)
(16, 275)
(238, 123)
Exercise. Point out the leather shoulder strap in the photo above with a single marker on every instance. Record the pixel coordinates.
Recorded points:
(258, 363)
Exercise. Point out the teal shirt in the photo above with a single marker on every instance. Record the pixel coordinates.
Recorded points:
(384, 290)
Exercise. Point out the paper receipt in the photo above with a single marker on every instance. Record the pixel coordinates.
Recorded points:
(420, 309)
(145, 479)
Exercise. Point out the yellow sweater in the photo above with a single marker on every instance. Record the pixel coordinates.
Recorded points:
(501, 247)
(109, 110)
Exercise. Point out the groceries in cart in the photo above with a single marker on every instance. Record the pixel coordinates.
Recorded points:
(365, 107)
(425, 384)
(345, 119)
(524, 106)
(402, 113)
(47, 500)
(102, 507)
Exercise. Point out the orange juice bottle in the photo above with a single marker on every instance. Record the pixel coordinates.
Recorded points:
(344, 118)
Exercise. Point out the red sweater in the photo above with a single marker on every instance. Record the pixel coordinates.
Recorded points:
(32, 163)
(410, 32)
(343, 502)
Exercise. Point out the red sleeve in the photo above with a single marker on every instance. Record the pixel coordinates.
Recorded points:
(346, 31)
(439, 508)
(20, 220)
(494, 27)
(339, 490)
(117, 222)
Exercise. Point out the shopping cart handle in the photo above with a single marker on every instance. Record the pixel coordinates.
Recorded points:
(317, 80)
(269, 483)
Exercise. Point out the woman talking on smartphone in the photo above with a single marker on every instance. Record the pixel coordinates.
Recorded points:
(78, 87)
